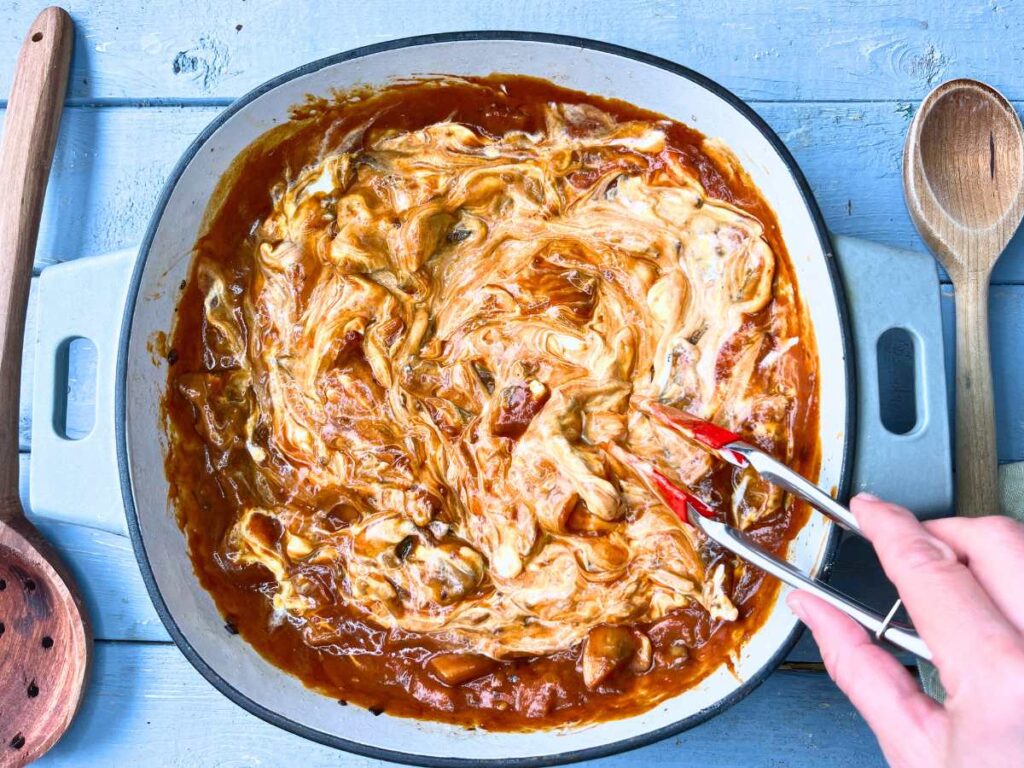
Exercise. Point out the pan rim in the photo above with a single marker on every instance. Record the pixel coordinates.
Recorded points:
(120, 406)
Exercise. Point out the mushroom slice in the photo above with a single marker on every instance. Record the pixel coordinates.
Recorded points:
(643, 659)
(457, 668)
(605, 650)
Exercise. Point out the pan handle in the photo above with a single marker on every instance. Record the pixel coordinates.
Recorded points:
(75, 479)
(903, 450)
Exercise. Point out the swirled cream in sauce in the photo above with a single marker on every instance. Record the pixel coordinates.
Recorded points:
(413, 318)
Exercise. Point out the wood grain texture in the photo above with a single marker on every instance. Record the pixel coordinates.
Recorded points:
(45, 639)
(149, 704)
(974, 424)
(840, 49)
(108, 170)
(1006, 338)
(29, 139)
(45, 646)
(963, 177)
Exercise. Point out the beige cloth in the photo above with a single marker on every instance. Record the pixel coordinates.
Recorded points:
(1011, 487)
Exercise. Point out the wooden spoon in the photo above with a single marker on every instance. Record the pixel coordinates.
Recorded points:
(45, 639)
(963, 177)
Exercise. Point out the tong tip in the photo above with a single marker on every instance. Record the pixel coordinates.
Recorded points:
(701, 431)
(675, 498)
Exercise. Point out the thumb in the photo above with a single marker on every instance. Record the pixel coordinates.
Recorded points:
(876, 683)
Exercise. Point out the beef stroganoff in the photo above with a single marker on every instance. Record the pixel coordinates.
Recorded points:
(413, 319)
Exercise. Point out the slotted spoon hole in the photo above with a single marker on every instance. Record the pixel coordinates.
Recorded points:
(3, 626)
(42, 657)
(35, 673)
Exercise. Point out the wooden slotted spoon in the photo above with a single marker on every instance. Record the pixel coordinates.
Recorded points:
(963, 177)
(45, 639)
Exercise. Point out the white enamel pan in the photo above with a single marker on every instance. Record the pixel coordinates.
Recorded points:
(74, 480)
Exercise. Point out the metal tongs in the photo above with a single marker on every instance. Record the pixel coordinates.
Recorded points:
(731, 448)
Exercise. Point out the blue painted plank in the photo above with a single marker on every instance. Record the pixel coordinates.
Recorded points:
(836, 50)
(108, 170)
(111, 163)
(1006, 341)
(147, 706)
(104, 567)
(852, 156)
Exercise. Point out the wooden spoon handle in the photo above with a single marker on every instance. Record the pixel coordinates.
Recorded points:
(32, 120)
(976, 460)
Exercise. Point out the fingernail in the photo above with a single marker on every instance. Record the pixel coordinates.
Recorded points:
(796, 606)
(867, 496)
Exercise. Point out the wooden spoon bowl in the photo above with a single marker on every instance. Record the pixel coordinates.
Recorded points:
(45, 639)
(971, 153)
(44, 646)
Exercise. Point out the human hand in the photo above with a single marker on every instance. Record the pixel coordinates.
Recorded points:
(961, 582)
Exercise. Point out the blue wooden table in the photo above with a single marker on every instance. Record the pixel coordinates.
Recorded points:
(838, 80)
